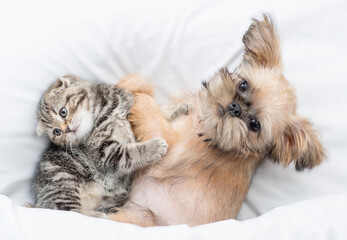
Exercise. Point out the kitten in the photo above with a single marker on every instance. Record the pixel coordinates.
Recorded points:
(89, 164)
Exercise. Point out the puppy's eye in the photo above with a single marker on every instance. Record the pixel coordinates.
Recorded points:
(254, 125)
(243, 86)
(63, 112)
(57, 131)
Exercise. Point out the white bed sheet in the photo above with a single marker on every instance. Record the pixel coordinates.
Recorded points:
(312, 219)
(176, 45)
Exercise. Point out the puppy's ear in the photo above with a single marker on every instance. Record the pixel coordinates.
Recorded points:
(298, 143)
(262, 44)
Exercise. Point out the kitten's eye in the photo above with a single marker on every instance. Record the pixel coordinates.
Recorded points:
(243, 86)
(63, 112)
(254, 125)
(57, 131)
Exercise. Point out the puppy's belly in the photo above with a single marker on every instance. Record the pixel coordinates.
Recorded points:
(154, 195)
(171, 204)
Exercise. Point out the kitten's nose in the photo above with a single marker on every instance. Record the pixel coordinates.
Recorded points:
(67, 130)
(234, 109)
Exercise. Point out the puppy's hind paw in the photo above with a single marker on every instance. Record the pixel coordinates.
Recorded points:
(136, 84)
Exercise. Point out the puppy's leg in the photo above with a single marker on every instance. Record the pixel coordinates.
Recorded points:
(134, 214)
(172, 113)
(146, 118)
(135, 84)
(148, 122)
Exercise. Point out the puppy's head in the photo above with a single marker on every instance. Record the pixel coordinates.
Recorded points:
(253, 109)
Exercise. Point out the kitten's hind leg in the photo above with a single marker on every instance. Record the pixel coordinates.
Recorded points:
(28, 205)
(92, 213)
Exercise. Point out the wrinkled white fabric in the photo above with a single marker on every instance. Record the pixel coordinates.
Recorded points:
(312, 219)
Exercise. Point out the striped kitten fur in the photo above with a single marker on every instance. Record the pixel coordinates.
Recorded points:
(89, 164)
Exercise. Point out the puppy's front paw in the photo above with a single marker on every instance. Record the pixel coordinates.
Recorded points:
(157, 148)
(182, 109)
(186, 108)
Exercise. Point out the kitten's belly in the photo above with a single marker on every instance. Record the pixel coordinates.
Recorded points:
(94, 196)
(91, 195)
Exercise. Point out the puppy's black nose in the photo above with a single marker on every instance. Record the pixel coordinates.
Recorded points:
(234, 109)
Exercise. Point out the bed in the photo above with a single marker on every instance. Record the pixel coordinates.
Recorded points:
(175, 45)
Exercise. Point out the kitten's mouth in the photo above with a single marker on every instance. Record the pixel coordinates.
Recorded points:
(72, 129)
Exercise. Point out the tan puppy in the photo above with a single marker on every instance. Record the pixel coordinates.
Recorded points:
(238, 119)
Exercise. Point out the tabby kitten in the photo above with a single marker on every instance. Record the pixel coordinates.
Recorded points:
(89, 164)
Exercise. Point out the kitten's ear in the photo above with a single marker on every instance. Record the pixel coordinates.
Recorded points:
(60, 84)
(65, 82)
(261, 44)
(298, 143)
(39, 129)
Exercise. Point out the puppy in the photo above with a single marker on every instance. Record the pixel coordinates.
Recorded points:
(238, 119)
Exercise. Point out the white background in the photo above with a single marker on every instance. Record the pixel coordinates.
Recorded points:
(175, 45)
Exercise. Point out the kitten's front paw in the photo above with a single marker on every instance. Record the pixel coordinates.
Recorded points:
(157, 149)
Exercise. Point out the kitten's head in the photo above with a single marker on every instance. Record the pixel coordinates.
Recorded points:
(64, 112)
(253, 109)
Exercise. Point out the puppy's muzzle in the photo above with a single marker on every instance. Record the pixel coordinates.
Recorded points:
(234, 109)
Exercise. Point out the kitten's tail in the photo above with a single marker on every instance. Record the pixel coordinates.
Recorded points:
(136, 84)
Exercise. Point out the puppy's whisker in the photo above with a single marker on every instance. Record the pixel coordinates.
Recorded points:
(221, 110)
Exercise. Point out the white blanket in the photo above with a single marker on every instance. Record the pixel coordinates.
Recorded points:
(313, 219)
(176, 45)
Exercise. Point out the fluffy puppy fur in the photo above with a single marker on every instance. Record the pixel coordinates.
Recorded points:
(238, 119)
